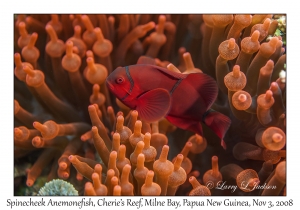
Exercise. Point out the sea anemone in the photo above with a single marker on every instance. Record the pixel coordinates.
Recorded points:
(57, 187)
(68, 125)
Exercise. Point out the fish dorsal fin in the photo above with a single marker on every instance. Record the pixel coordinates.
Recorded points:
(142, 62)
(171, 73)
(154, 104)
(145, 60)
(206, 87)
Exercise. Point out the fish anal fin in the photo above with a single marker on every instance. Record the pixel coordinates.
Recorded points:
(154, 104)
(205, 85)
(186, 124)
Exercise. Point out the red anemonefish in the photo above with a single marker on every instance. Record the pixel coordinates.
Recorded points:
(156, 92)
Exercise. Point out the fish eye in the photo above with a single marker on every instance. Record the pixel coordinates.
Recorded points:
(119, 80)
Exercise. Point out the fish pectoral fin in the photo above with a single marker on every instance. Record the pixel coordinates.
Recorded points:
(154, 104)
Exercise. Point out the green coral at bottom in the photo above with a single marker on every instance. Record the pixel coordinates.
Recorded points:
(57, 187)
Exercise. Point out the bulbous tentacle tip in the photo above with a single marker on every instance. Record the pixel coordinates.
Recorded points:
(241, 100)
(148, 26)
(231, 43)
(235, 80)
(33, 39)
(37, 142)
(63, 165)
(87, 22)
(22, 28)
(255, 36)
(229, 49)
(29, 71)
(243, 20)
(222, 20)
(173, 68)
(29, 182)
(161, 23)
(104, 121)
(65, 175)
(273, 138)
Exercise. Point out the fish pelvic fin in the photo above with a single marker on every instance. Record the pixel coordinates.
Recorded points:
(218, 122)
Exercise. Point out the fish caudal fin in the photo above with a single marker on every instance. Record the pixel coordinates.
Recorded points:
(218, 122)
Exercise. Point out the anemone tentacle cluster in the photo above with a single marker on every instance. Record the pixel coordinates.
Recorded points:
(68, 126)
